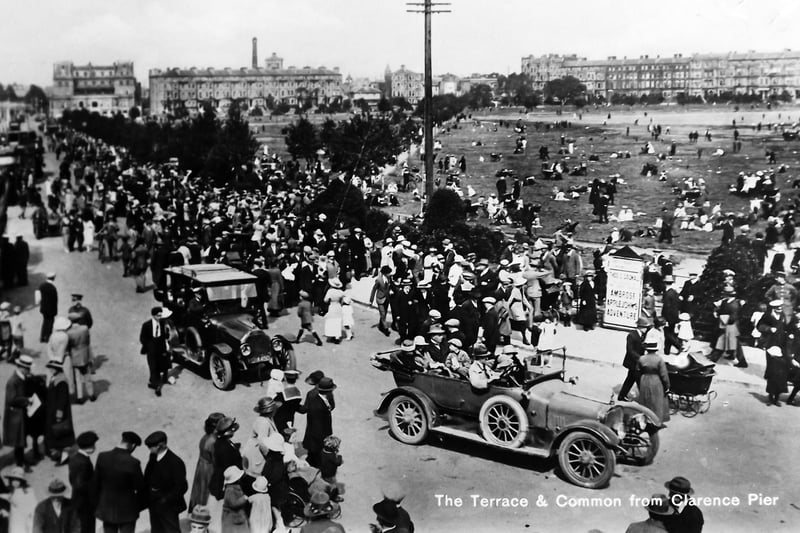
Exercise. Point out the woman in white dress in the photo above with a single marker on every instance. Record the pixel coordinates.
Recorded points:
(88, 235)
(333, 318)
(22, 502)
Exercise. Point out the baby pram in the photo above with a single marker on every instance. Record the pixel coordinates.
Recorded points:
(689, 387)
(303, 480)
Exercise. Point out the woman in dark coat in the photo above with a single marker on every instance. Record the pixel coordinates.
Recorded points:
(653, 381)
(776, 374)
(205, 462)
(226, 454)
(587, 303)
(59, 434)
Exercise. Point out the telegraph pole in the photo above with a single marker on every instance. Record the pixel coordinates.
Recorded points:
(428, 9)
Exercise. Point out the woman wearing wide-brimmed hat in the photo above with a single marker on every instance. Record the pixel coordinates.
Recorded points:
(318, 512)
(234, 502)
(260, 507)
(205, 462)
(59, 433)
(22, 501)
(226, 454)
(333, 318)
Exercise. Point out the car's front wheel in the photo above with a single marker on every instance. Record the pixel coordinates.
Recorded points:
(220, 371)
(407, 420)
(503, 422)
(585, 461)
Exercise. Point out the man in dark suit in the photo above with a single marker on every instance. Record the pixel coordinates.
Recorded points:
(380, 295)
(118, 486)
(358, 252)
(263, 282)
(166, 485)
(486, 279)
(47, 298)
(670, 309)
(153, 339)
(318, 419)
(55, 513)
(634, 349)
(14, 426)
(82, 314)
(689, 295)
(490, 324)
(22, 255)
(81, 472)
(689, 519)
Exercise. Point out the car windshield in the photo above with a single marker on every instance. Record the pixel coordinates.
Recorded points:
(243, 291)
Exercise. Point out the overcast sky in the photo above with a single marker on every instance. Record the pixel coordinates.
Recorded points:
(363, 36)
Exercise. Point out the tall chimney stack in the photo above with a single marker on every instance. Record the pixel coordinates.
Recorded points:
(255, 52)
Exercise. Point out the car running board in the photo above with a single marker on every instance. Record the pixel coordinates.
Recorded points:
(468, 435)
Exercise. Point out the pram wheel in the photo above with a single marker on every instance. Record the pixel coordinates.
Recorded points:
(292, 510)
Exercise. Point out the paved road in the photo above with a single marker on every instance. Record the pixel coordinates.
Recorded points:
(740, 446)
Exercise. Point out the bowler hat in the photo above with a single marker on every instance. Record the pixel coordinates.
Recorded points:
(155, 438)
(479, 350)
(643, 322)
(315, 377)
(419, 340)
(679, 485)
(326, 384)
(56, 487)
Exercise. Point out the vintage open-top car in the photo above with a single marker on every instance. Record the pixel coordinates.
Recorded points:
(544, 416)
(214, 313)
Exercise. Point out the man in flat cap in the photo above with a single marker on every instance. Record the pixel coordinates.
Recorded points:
(166, 485)
(119, 486)
(81, 472)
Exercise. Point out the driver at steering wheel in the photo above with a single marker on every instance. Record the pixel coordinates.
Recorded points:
(481, 371)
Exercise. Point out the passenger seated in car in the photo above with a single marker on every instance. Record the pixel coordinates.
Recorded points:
(405, 357)
(510, 367)
(422, 358)
(457, 361)
(481, 371)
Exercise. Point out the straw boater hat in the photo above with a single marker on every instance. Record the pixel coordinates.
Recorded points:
(407, 346)
(200, 515)
(17, 473)
(320, 504)
(24, 361)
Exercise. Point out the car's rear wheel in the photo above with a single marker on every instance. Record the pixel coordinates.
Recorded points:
(503, 422)
(407, 420)
(220, 371)
(643, 447)
(585, 461)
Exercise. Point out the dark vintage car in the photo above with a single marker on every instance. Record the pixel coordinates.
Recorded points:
(46, 223)
(215, 324)
(544, 417)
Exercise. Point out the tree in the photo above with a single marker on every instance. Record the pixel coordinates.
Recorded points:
(564, 89)
(402, 103)
(362, 105)
(479, 96)
(235, 149)
(384, 105)
(361, 145)
(302, 139)
(134, 113)
(445, 209)
(36, 99)
(340, 202)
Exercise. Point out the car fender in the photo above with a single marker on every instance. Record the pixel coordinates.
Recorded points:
(598, 429)
(223, 349)
(421, 397)
(652, 418)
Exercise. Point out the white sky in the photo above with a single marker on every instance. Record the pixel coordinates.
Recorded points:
(363, 36)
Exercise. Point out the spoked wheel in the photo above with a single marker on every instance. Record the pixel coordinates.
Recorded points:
(292, 511)
(194, 351)
(407, 420)
(585, 460)
(642, 447)
(503, 422)
(705, 404)
(691, 406)
(674, 403)
(220, 371)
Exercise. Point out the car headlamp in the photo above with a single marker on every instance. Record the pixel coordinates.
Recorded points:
(245, 349)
